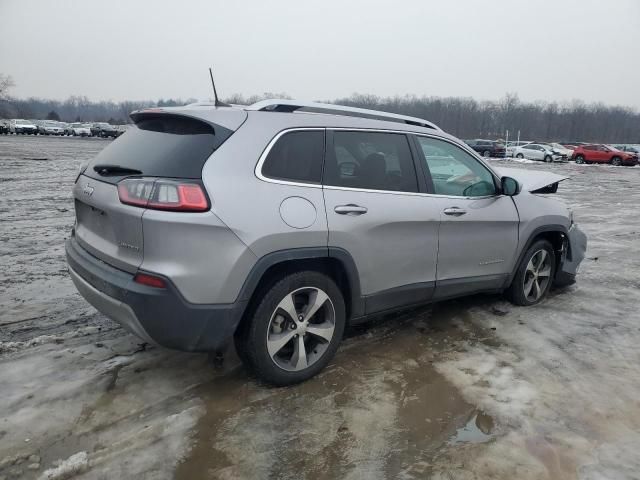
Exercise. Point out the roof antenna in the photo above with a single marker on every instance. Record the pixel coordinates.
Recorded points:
(218, 103)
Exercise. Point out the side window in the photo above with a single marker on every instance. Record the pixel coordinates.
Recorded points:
(371, 160)
(454, 172)
(297, 157)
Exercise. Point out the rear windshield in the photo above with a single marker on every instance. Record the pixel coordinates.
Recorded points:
(160, 146)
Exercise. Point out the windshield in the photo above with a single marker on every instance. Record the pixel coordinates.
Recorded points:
(611, 147)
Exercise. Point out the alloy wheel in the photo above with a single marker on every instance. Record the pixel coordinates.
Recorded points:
(301, 329)
(537, 275)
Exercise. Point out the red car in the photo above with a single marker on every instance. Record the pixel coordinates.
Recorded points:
(604, 154)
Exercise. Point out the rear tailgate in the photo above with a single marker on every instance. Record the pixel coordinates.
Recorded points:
(105, 227)
(161, 145)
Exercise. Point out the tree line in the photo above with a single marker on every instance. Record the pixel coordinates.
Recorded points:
(536, 121)
(461, 116)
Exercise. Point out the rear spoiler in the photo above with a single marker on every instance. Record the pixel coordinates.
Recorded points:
(227, 117)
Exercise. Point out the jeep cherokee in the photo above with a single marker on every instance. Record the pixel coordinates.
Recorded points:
(277, 224)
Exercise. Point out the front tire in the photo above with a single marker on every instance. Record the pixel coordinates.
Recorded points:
(580, 159)
(295, 329)
(486, 154)
(521, 156)
(617, 161)
(548, 159)
(534, 276)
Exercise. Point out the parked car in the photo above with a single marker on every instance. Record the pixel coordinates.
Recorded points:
(539, 151)
(510, 147)
(563, 150)
(604, 154)
(488, 148)
(629, 148)
(4, 127)
(50, 127)
(23, 127)
(351, 213)
(104, 130)
(78, 129)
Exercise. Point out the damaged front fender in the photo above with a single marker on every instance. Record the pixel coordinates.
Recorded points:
(533, 181)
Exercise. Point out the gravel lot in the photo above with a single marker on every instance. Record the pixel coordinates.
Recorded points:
(467, 389)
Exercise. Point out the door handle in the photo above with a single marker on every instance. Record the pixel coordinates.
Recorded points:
(350, 209)
(454, 211)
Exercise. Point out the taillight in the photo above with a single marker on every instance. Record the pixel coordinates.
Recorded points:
(163, 194)
(149, 280)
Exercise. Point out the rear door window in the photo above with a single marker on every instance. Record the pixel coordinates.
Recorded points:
(371, 160)
(297, 157)
(161, 145)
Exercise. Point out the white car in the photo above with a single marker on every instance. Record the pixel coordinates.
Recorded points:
(18, 126)
(51, 127)
(538, 151)
(80, 129)
(562, 150)
(511, 146)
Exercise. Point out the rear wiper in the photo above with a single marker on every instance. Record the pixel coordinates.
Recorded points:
(106, 170)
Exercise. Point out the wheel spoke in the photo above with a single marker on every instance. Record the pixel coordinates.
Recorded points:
(542, 256)
(530, 267)
(528, 286)
(299, 357)
(536, 287)
(323, 330)
(287, 304)
(275, 342)
(545, 273)
(316, 300)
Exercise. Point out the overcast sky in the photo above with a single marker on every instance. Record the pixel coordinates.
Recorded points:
(114, 49)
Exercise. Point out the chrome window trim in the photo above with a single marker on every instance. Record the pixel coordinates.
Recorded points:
(265, 153)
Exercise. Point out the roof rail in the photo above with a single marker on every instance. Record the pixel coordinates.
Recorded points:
(278, 105)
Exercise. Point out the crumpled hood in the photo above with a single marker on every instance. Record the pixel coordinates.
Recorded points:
(531, 180)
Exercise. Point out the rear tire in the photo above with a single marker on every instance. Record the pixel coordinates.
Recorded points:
(617, 161)
(486, 154)
(580, 159)
(283, 350)
(534, 276)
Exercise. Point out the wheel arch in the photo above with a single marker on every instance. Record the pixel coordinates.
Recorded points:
(334, 262)
(555, 234)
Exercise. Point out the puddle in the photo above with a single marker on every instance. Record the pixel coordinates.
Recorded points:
(478, 429)
(378, 410)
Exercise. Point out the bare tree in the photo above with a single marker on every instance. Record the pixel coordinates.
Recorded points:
(6, 82)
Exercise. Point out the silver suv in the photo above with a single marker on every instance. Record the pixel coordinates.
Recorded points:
(279, 223)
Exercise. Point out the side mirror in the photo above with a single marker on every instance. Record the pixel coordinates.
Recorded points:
(510, 186)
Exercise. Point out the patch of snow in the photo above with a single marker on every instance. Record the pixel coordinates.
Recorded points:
(73, 465)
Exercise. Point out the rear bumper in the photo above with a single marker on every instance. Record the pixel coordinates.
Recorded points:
(159, 316)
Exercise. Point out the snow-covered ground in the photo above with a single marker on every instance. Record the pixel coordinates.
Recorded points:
(467, 389)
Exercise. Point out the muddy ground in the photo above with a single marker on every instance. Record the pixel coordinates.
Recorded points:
(468, 389)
